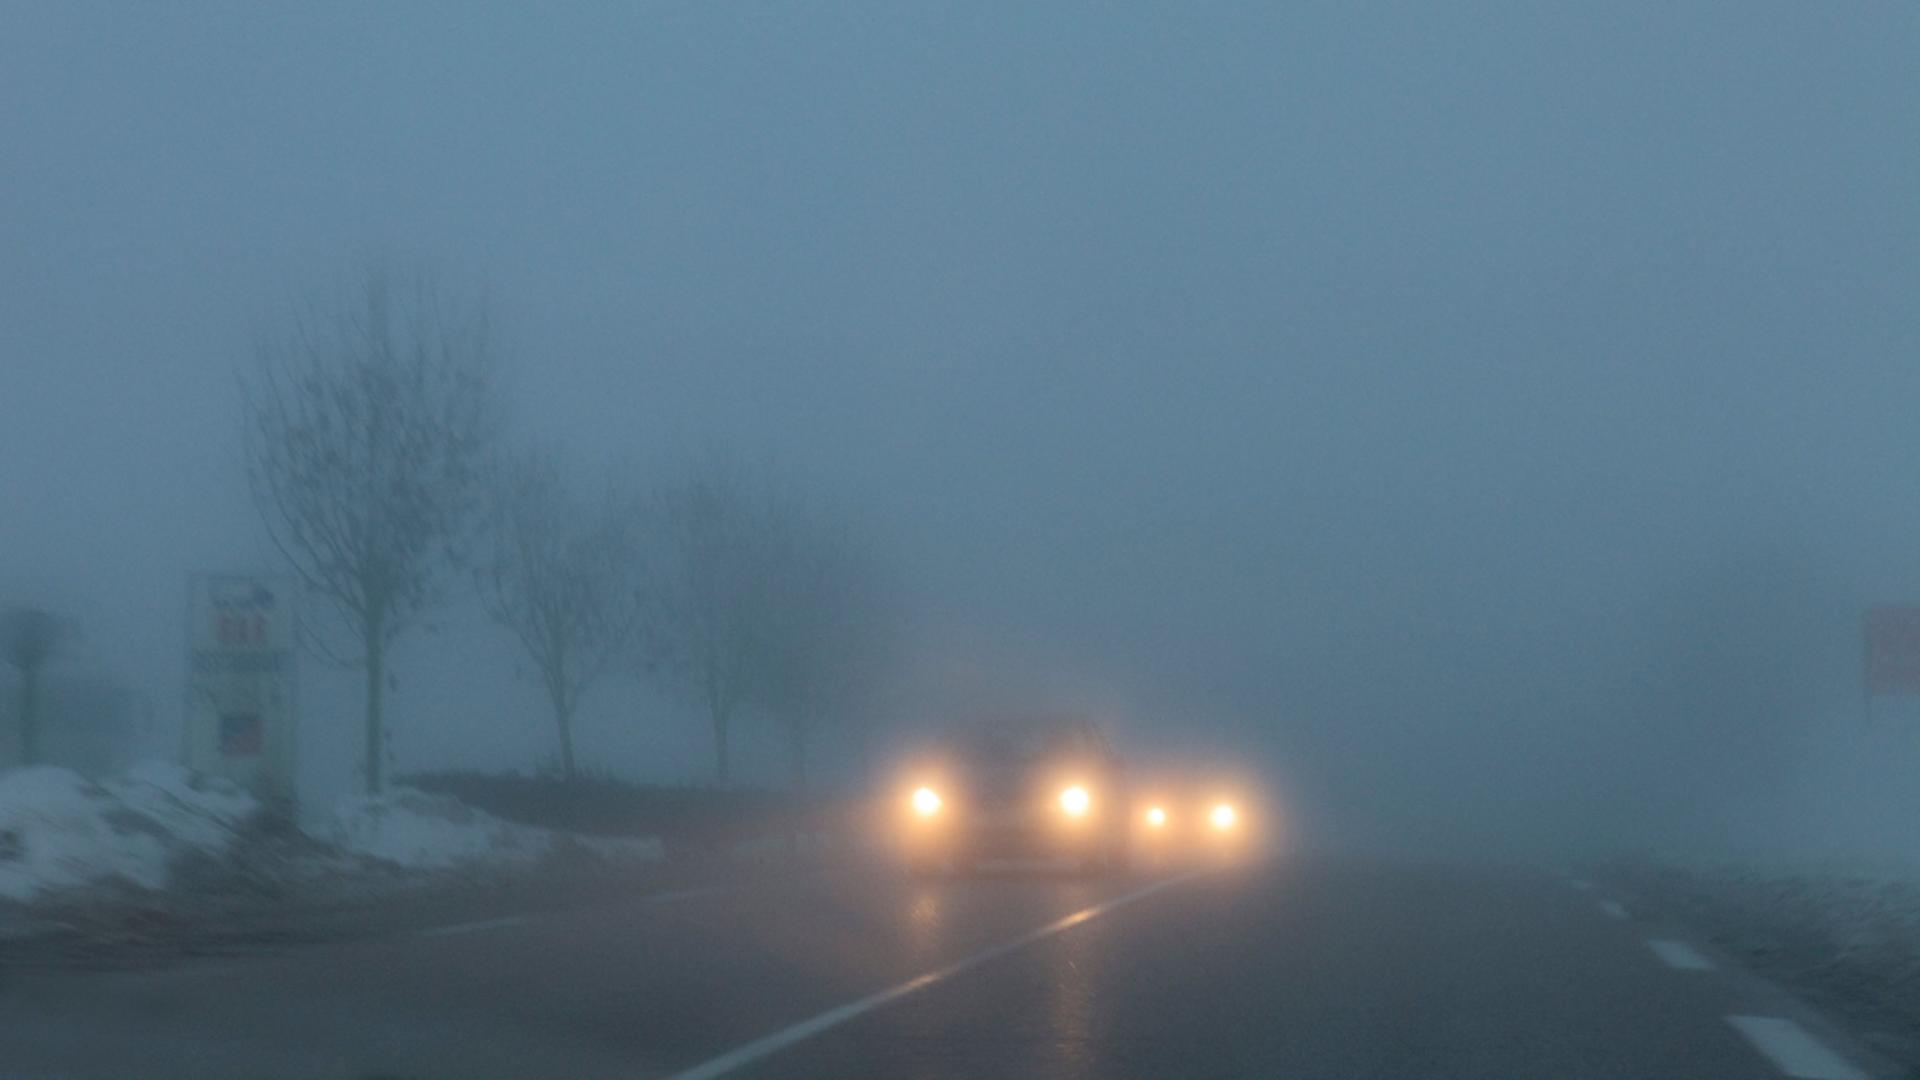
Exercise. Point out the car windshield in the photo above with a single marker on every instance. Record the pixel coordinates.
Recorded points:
(1019, 742)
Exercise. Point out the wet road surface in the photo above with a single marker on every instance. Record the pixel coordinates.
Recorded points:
(1309, 966)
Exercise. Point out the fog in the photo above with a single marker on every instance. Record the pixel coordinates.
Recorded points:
(1490, 422)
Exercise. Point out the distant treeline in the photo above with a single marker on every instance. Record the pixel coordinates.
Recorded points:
(378, 456)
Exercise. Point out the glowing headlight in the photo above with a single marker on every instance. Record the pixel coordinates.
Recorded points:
(1223, 816)
(926, 802)
(1156, 817)
(1075, 801)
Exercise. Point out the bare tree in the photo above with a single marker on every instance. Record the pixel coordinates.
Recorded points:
(368, 422)
(562, 579)
(713, 588)
(29, 637)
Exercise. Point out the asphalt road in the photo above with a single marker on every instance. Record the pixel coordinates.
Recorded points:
(1286, 967)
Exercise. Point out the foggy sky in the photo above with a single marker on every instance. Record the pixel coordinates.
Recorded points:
(1485, 415)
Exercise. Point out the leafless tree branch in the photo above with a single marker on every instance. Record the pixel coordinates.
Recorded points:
(369, 415)
(562, 579)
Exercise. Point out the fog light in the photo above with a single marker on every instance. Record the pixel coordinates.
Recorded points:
(926, 802)
(1223, 816)
(1075, 801)
(1157, 818)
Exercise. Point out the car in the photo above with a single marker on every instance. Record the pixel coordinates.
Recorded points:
(1038, 787)
(1185, 818)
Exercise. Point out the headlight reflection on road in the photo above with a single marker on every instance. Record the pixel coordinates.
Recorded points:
(925, 916)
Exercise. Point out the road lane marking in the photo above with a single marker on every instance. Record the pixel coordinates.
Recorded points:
(748, 1053)
(475, 927)
(1792, 1050)
(1679, 955)
(1613, 909)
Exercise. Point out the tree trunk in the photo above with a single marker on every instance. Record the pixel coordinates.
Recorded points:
(563, 716)
(30, 715)
(376, 678)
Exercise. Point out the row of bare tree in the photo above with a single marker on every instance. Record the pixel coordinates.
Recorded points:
(375, 457)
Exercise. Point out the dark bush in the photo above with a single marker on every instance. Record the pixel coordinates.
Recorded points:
(683, 817)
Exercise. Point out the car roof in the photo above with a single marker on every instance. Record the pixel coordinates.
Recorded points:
(1029, 735)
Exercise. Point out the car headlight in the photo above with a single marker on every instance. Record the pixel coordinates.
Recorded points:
(1075, 801)
(1156, 817)
(926, 802)
(1223, 816)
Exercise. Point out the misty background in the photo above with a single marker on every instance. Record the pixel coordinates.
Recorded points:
(1489, 421)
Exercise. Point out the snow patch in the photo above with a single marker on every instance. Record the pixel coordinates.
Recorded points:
(425, 831)
(1842, 932)
(158, 825)
(431, 832)
(61, 830)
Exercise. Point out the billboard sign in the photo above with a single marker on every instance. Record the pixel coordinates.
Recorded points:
(240, 680)
(1893, 651)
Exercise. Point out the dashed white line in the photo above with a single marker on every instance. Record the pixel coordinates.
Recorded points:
(748, 1053)
(1679, 955)
(476, 927)
(1792, 1050)
(1613, 909)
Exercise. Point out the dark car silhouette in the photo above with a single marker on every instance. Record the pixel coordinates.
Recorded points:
(1030, 787)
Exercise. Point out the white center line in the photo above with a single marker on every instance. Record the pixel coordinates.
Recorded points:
(1792, 1050)
(1679, 955)
(1613, 909)
(765, 1046)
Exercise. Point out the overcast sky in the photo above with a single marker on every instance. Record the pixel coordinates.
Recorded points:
(1498, 409)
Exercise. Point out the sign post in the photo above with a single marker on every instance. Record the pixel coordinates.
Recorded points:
(241, 701)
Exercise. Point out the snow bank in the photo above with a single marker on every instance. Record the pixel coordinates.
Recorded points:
(437, 832)
(60, 830)
(432, 832)
(1845, 936)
